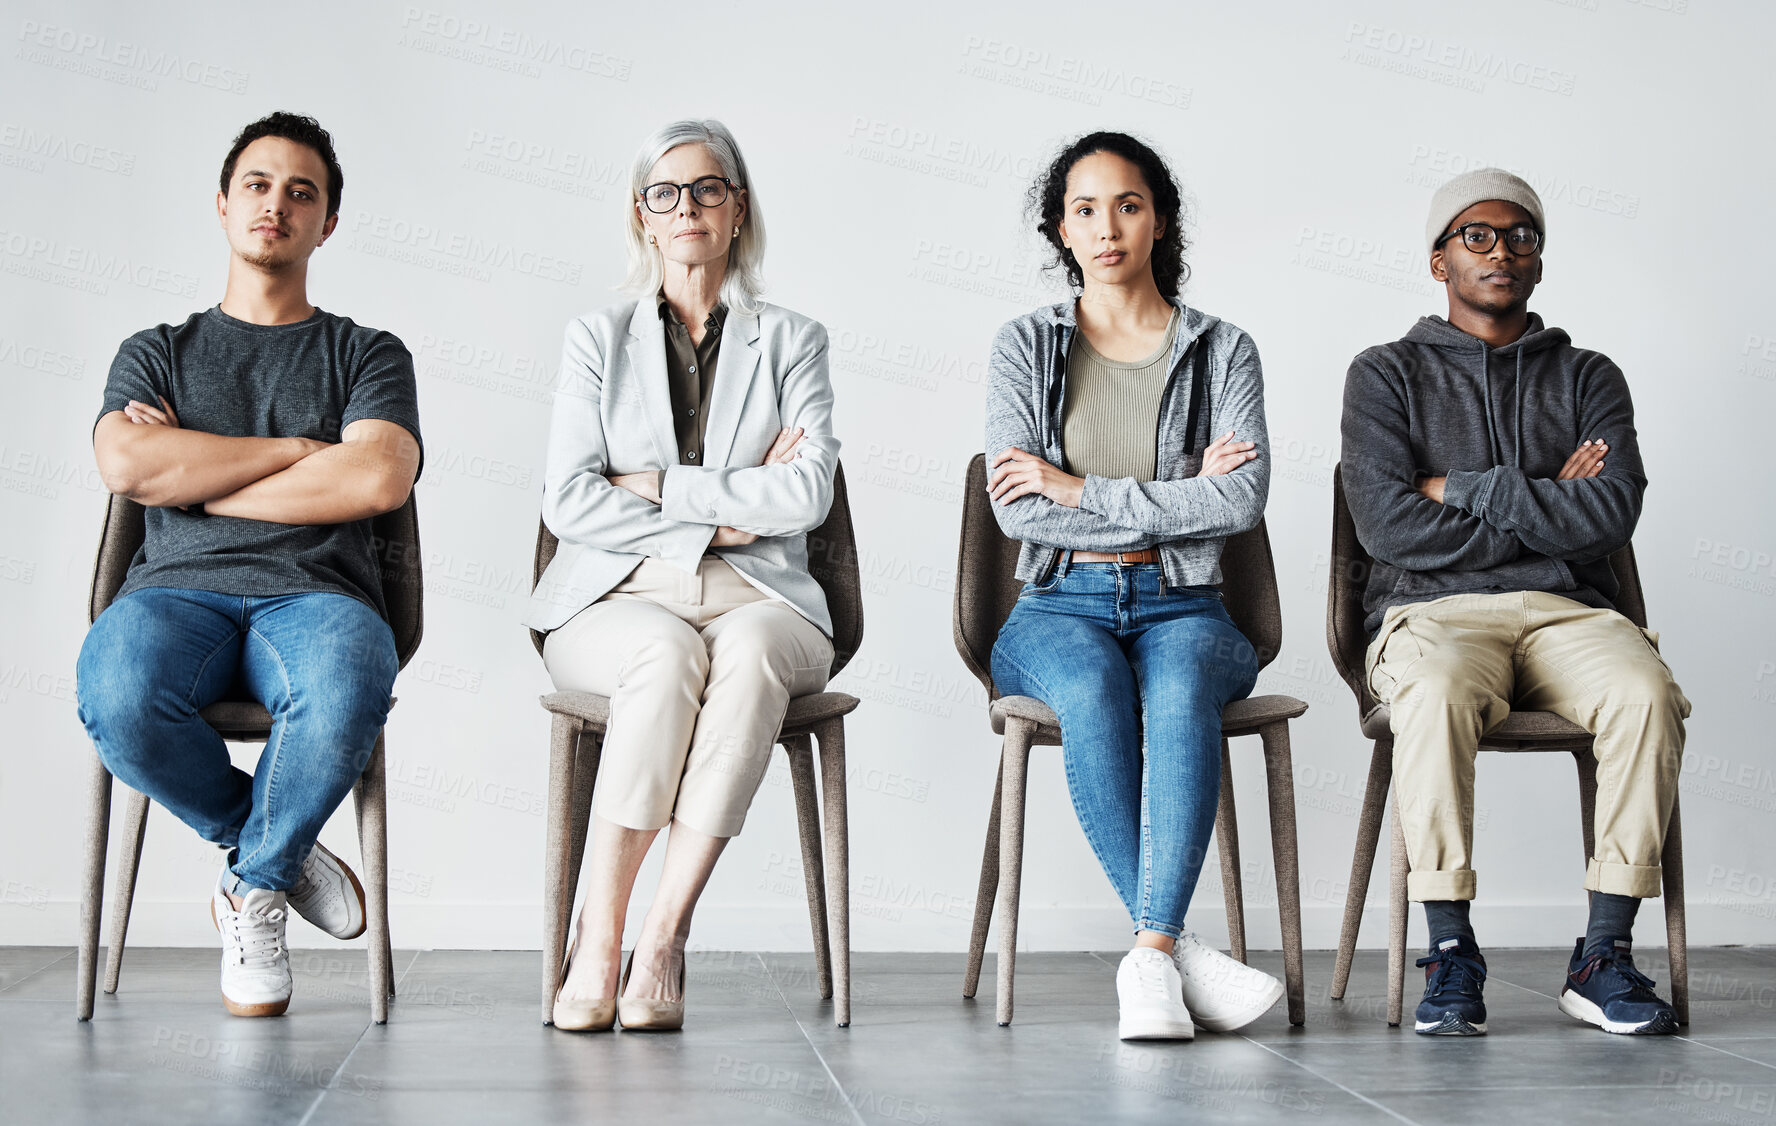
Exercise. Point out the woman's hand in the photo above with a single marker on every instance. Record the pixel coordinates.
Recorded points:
(1224, 455)
(1015, 473)
(731, 537)
(782, 451)
(644, 485)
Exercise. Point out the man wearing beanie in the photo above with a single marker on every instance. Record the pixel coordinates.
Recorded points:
(1492, 468)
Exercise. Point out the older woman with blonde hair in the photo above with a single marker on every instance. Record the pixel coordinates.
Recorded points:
(690, 451)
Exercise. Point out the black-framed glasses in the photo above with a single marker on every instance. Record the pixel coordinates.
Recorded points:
(706, 191)
(1522, 239)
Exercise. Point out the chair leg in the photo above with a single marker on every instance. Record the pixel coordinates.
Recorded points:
(1014, 775)
(986, 892)
(558, 879)
(807, 803)
(585, 779)
(92, 900)
(1227, 844)
(1280, 776)
(370, 794)
(838, 863)
(1586, 761)
(135, 827)
(1397, 869)
(1381, 772)
(1676, 933)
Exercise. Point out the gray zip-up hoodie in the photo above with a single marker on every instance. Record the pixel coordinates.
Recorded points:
(1215, 386)
(1499, 423)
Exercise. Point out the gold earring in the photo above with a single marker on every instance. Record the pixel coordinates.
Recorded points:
(651, 241)
(736, 230)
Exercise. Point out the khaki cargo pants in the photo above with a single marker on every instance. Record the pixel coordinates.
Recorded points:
(1452, 668)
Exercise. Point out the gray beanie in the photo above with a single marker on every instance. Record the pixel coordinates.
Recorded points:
(1474, 187)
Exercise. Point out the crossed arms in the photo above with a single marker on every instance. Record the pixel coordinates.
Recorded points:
(145, 455)
(1476, 520)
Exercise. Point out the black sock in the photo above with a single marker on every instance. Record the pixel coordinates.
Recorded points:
(1612, 917)
(1448, 918)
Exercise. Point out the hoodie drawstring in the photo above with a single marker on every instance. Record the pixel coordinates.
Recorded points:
(1517, 455)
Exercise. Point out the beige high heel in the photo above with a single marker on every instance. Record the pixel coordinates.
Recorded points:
(582, 1016)
(640, 1014)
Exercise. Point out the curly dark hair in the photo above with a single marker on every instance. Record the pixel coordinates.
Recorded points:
(1047, 206)
(301, 130)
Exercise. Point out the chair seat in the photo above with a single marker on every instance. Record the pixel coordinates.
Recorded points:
(243, 720)
(804, 711)
(1521, 731)
(1242, 717)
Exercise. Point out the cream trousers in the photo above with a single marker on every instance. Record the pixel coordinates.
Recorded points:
(699, 670)
(1452, 668)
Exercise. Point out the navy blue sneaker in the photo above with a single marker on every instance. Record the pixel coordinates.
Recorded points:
(1604, 988)
(1454, 975)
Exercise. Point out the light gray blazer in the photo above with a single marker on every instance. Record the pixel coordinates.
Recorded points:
(613, 415)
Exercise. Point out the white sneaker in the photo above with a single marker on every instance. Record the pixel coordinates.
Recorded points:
(1147, 993)
(1223, 995)
(328, 894)
(255, 961)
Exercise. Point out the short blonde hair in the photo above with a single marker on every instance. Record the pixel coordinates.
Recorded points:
(744, 280)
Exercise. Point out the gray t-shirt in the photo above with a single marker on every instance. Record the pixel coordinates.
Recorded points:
(224, 376)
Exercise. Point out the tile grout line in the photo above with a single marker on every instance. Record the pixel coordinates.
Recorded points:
(333, 1080)
(1723, 1051)
(50, 965)
(1328, 1079)
(815, 1048)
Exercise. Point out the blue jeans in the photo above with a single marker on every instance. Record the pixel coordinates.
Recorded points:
(322, 664)
(1117, 655)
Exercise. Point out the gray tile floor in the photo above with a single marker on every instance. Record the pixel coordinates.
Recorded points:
(464, 1044)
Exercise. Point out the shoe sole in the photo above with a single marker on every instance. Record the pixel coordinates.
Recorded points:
(247, 1009)
(1155, 1031)
(1241, 1018)
(357, 890)
(1583, 1008)
(1449, 1025)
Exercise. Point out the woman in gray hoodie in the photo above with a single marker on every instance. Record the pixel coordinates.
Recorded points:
(1126, 441)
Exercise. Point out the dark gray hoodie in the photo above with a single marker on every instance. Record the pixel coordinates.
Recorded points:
(1499, 423)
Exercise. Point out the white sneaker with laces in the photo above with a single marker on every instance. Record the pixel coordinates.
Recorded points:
(255, 961)
(1148, 995)
(328, 894)
(1223, 995)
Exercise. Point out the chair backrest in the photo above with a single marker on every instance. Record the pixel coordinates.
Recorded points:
(832, 561)
(1351, 563)
(987, 585)
(394, 539)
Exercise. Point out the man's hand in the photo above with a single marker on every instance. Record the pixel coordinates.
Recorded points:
(1224, 455)
(1015, 473)
(1586, 461)
(147, 415)
(1431, 487)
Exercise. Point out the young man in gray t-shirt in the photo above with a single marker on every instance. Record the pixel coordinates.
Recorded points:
(263, 435)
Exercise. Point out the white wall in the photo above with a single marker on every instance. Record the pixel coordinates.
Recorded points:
(890, 154)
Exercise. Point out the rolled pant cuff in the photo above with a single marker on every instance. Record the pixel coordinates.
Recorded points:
(1433, 885)
(1642, 881)
(1159, 928)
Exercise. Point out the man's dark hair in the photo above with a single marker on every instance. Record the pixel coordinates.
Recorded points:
(1047, 205)
(302, 130)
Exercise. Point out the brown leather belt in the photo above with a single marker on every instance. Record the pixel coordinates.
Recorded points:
(1150, 555)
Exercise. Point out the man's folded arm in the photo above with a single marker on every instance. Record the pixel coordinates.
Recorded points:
(368, 472)
(163, 466)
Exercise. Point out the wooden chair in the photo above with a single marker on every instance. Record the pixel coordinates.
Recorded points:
(1521, 731)
(244, 721)
(986, 590)
(579, 720)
